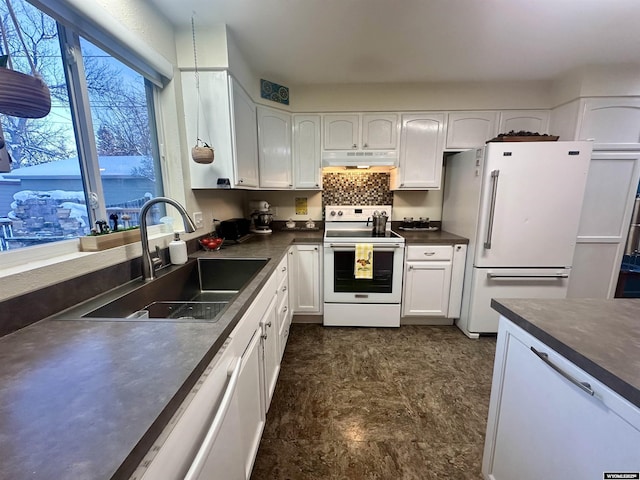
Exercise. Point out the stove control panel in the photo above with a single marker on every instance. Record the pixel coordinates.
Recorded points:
(354, 213)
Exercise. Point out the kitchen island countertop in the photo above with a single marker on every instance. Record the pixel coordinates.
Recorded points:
(600, 336)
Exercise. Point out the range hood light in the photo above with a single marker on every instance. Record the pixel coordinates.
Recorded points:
(357, 167)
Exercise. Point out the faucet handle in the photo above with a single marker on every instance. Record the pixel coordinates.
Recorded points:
(156, 261)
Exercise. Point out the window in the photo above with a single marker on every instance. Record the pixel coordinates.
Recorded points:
(93, 157)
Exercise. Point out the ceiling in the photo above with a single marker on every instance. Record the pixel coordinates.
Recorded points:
(303, 42)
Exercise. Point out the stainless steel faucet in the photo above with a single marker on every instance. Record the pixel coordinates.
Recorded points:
(149, 263)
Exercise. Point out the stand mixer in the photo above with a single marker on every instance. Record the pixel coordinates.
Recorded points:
(261, 216)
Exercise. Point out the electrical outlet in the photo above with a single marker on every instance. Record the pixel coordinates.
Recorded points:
(198, 220)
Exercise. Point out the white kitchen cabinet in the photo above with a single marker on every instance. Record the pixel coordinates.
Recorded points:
(306, 152)
(306, 276)
(543, 424)
(470, 129)
(527, 120)
(212, 406)
(283, 309)
(604, 222)
(371, 131)
(427, 280)
(379, 131)
(274, 152)
(227, 122)
(271, 351)
(421, 145)
(250, 400)
(611, 122)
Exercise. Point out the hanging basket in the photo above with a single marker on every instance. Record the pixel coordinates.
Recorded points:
(23, 95)
(202, 154)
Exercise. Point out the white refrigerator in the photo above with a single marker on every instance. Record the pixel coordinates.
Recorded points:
(519, 205)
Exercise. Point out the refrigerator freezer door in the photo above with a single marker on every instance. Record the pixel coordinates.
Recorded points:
(487, 283)
(530, 204)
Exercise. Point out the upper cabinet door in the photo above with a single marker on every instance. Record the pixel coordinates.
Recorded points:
(245, 137)
(341, 132)
(379, 132)
(421, 146)
(524, 120)
(274, 139)
(306, 151)
(611, 121)
(471, 129)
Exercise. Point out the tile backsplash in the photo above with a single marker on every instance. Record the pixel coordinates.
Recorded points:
(356, 188)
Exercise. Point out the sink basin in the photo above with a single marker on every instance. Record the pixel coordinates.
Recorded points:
(205, 311)
(197, 291)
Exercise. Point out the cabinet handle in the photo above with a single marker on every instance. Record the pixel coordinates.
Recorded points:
(492, 207)
(268, 324)
(285, 308)
(429, 254)
(365, 145)
(584, 386)
(284, 269)
(284, 289)
(498, 275)
(315, 248)
(264, 336)
(317, 185)
(354, 146)
(241, 180)
(290, 253)
(216, 424)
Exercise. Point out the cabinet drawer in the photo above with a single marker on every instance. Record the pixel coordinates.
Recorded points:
(430, 252)
(282, 270)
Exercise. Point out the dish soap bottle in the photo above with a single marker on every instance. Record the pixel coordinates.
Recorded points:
(177, 250)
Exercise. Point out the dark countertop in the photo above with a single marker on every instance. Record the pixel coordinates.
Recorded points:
(602, 337)
(439, 237)
(85, 399)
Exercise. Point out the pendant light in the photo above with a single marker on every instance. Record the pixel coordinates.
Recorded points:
(199, 154)
(21, 95)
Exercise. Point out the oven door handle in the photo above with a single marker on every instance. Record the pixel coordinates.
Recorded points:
(351, 246)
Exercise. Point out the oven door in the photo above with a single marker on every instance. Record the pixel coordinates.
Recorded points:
(341, 286)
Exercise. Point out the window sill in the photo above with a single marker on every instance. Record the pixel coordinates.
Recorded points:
(33, 268)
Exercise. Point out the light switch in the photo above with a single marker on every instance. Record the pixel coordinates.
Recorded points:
(197, 219)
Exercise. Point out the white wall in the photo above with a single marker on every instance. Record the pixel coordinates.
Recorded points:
(425, 96)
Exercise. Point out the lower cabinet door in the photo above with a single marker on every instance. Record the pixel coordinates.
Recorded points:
(250, 402)
(544, 425)
(271, 351)
(426, 289)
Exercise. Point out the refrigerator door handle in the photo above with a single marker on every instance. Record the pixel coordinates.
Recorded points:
(511, 275)
(492, 208)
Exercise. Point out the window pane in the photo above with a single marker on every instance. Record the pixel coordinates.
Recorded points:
(42, 196)
(124, 140)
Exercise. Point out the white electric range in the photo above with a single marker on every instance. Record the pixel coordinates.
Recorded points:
(359, 302)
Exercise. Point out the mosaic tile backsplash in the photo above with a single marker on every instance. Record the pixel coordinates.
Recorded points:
(356, 188)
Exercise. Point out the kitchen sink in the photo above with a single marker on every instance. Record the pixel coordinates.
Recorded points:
(197, 291)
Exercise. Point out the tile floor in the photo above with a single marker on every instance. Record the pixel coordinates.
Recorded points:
(384, 404)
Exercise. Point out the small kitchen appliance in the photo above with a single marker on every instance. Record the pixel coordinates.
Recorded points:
(261, 216)
(361, 302)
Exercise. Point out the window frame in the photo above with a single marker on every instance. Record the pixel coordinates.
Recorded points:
(73, 66)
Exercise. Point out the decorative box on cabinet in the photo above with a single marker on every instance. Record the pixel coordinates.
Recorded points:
(306, 152)
(470, 129)
(544, 422)
(274, 152)
(371, 131)
(421, 147)
(227, 123)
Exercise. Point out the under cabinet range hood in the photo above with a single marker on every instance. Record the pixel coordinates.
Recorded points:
(359, 158)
